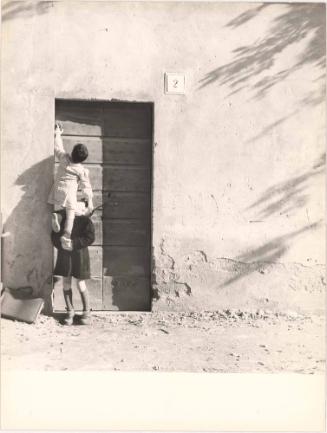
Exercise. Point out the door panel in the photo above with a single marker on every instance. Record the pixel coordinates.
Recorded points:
(127, 205)
(128, 120)
(113, 178)
(125, 232)
(127, 151)
(125, 261)
(120, 232)
(126, 178)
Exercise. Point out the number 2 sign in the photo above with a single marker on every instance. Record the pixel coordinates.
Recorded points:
(174, 83)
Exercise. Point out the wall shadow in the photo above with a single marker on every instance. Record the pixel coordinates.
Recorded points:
(258, 259)
(289, 195)
(28, 249)
(24, 9)
(133, 294)
(296, 23)
(246, 16)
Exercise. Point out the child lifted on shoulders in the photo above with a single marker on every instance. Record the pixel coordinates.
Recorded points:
(71, 176)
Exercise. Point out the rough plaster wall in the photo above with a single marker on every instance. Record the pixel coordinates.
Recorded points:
(27, 150)
(238, 182)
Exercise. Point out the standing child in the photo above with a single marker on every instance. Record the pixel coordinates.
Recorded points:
(75, 262)
(71, 175)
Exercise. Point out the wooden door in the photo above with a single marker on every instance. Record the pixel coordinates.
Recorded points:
(119, 139)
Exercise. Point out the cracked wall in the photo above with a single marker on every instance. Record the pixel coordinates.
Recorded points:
(238, 163)
(195, 281)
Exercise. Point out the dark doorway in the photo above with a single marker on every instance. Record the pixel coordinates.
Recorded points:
(119, 139)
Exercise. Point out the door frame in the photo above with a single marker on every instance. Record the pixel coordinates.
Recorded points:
(151, 194)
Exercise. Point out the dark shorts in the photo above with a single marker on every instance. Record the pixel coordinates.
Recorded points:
(73, 263)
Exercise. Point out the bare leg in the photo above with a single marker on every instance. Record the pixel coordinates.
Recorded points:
(65, 239)
(81, 285)
(70, 216)
(85, 318)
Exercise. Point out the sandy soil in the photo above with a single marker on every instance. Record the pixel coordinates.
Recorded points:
(226, 341)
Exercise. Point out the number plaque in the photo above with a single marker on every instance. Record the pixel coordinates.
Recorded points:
(174, 83)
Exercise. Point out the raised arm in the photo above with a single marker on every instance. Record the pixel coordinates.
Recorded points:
(58, 144)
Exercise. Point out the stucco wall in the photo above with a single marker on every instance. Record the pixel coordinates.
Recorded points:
(238, 176)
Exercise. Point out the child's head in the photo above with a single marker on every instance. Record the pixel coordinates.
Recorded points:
(79, 153)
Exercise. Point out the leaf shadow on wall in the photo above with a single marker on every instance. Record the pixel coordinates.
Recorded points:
(254, 66)
(24, 9)
(250, 61)
(289, 195)
(254, 69)
(259, 258)
(284, 197)
(29, 226)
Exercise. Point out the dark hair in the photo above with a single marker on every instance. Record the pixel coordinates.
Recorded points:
(79, 153)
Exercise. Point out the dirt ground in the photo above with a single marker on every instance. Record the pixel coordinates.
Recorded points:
(226, 341)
